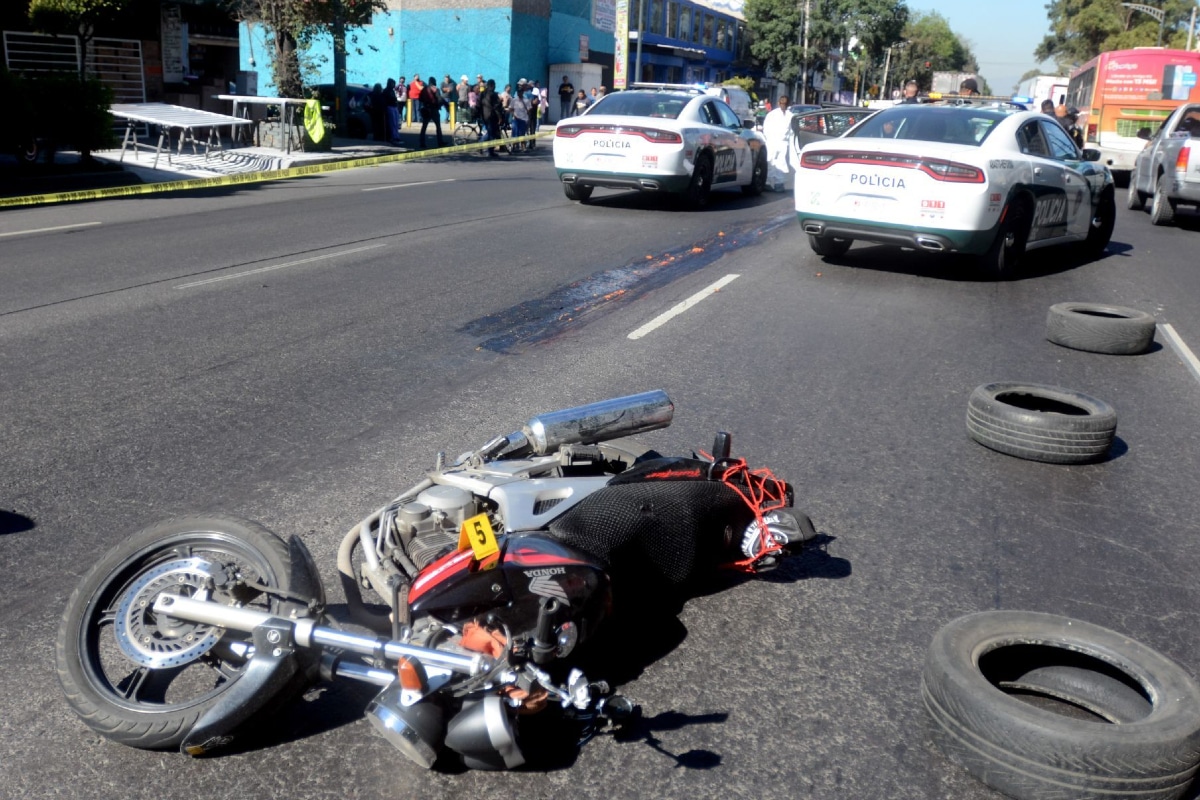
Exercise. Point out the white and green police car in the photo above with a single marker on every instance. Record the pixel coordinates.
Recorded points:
(665, 138)
(963, 179)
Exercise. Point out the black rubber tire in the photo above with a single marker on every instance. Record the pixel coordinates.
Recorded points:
(576, 192)
(1041, 423)
(1003, 259)
(1034, 753)
(699, 188)
(827, 246)
(1098, 328)
(758, 181)
(1100, 228)
(1093, 690)
(91, 667)
(1134, 200)
(1162, 208)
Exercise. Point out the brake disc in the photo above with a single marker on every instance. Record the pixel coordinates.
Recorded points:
(158, 641)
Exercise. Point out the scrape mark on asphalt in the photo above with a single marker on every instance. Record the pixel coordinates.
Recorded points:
(576, 304)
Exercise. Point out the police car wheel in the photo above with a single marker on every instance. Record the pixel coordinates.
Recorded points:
(1007, 252)
(1101, 227)
(577, 192)
(758, 180)
(828, 247)
(701, 183)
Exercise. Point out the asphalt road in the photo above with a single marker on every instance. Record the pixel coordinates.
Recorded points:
(297, 353)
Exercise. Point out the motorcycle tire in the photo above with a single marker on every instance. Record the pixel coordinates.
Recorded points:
(1038, 751)
(145, 681)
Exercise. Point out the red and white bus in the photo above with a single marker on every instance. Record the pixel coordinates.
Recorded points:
(1119, 92)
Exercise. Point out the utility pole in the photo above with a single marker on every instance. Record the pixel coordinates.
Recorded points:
(637, 63)
(1191, 28)
(804, 69)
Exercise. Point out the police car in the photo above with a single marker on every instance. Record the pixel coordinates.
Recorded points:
(982, 181)
(663, 138)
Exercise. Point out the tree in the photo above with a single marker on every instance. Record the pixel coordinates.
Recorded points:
(932, 46)
(862, 29)
(292, 25)
(1082, 29)
(774, 26)
(78, 17)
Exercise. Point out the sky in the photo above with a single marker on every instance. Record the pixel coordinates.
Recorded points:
(1002, 35)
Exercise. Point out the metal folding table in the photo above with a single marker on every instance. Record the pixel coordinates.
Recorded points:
(169, 118)
(289, 105)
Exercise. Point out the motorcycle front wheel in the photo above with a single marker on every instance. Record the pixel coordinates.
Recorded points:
(143, 679)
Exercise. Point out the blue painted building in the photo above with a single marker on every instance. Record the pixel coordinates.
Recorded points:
(685, 41)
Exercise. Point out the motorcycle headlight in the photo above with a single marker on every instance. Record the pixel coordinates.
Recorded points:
(415, 730)
(484, 735)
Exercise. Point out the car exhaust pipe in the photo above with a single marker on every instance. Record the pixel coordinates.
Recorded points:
(932, 245)
(651, 185)
(814, 228)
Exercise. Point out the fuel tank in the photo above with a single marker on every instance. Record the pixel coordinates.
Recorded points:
(531, 568)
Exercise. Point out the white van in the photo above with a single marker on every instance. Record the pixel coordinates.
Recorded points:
(736, 98)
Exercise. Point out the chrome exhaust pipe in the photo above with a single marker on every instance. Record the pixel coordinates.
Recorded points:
(599, 422)
(814, 228)
(651, 185)
(933, 245)
(309, 634)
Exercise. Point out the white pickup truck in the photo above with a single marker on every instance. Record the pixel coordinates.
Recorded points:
(1168, 169)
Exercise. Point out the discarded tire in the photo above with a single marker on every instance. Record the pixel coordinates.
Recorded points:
(1097, 328)
(1049, 746)
(1041, 423)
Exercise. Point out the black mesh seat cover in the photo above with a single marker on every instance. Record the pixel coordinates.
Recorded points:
(668, 531)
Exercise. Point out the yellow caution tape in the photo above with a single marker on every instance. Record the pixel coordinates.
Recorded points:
(264, 176)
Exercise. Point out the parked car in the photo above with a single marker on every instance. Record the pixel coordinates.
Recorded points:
(1168, 169)
(825, 123)
(358, 108)
(955, 179)
(736, 98)
(669, 139)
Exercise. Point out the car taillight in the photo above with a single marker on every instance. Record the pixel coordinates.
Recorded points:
(662, 137)
(569, 131)
(817, 160)
(951, 171)
(1181, 160)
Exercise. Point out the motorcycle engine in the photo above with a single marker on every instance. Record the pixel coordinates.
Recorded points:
(429, 526)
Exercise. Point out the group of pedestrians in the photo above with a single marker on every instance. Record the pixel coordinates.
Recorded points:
(390, 105)
(522, 107)
(573, 103)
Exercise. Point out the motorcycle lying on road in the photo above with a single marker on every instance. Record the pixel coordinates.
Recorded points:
(478, 584)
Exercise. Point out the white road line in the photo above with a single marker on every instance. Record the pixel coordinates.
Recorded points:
(278, 266)
(406, 185)
(1181, 349)
(55, 228)
(666, 316)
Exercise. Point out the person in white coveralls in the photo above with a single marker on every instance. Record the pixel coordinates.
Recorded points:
(776, 130)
